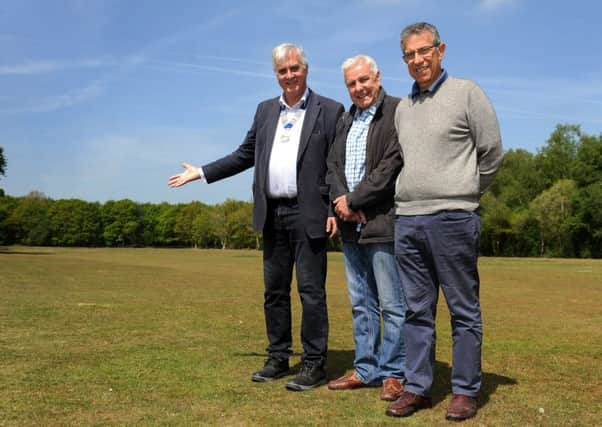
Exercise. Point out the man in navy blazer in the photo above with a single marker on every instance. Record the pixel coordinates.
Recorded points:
(288, 144)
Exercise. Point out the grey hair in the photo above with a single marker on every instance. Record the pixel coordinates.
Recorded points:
(349, 62)
(279, 54)
(418, 28)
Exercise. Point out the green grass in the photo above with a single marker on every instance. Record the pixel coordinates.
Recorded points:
(170, 337)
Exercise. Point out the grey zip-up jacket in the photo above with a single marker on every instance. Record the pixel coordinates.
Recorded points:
(374, 195)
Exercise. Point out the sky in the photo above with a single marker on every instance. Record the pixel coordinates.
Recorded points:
(104, 99)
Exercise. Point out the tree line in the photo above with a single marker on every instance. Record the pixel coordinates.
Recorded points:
(37, 220)
(548, 203)
(543, 204)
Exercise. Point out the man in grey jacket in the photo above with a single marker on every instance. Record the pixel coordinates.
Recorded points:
(362, 167)
(451, 147)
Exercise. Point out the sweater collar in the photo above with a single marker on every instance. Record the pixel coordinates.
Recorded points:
(432, 88)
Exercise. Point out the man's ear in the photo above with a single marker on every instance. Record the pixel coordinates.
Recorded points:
(441, 49)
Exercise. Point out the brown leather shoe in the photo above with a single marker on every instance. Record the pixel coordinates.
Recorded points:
(346, 382)
(407, 404)
(461, 408)
(392, 389)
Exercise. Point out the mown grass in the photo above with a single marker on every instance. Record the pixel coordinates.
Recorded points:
(170, 337)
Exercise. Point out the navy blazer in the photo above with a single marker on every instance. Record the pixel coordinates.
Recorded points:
(317, 135)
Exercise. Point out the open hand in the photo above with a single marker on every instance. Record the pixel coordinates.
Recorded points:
(190, 174)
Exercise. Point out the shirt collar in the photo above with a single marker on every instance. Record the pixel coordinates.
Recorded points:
(432, 88)
(368, 111)
(302, 103)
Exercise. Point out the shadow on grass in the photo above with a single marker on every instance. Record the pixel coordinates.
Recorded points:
(339, 361)
(8, 251)
(490, 383)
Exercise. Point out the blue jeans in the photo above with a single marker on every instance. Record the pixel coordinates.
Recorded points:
(441, 251)
(375, 290)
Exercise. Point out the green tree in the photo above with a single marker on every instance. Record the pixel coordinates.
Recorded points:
(243, 235)
(231, 226)
(166, 226)
(148, 213)
(587, 226)
(205, 228)
(74, 222)
(30, 219)
(553, 211)
(157, 222)
(7, 229)
(184, 223)
(518, 180)
(122, 224)
(2, 162)
(2, 172)
(556, 160)
(588, 164)
(495, 217)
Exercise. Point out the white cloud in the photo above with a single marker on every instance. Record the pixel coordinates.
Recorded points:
(194, 68)
(51, 66)
(75, 96)
(58, 102)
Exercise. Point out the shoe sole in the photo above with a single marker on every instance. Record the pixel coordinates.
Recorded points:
(401, 415)
(300, 387)
(389, 398)
(260, 379)
(453, 418)
(407, 414)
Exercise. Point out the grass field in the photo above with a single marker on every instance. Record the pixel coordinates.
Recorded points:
(170, 337)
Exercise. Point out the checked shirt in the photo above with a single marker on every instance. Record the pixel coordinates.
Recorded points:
(355, 150)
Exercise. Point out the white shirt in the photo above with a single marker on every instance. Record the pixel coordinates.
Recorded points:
(282, 172)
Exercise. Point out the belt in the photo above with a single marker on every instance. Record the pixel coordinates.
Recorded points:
(283, 201)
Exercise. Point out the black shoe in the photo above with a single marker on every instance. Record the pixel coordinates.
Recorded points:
(273, 369)
(311, 375)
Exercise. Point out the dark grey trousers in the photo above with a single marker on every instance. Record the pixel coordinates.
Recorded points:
(285, 244)
(440, 251)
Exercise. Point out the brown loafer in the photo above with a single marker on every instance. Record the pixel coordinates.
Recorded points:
(392, 389)
(461, 408)
(407, 404)
(346, 382)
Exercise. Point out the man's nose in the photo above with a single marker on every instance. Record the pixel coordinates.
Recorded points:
(419, 59)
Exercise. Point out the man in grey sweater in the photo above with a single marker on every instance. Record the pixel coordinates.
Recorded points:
(451, 148)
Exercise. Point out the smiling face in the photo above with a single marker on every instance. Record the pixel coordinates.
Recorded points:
(292, 77)
(425, 68)
(363, 84)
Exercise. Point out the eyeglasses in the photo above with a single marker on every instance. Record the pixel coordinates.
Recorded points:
(424, 51)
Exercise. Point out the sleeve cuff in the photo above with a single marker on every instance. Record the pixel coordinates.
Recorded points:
(201, 174)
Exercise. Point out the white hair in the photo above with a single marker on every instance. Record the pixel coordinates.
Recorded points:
(279, 54)
(350, 62)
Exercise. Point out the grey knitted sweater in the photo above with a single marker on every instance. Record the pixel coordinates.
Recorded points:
(451, 147)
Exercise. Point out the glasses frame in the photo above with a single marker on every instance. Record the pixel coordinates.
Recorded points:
(424, 52)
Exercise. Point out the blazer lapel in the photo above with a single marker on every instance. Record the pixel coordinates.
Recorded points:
(272, 117)
(311, 115)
